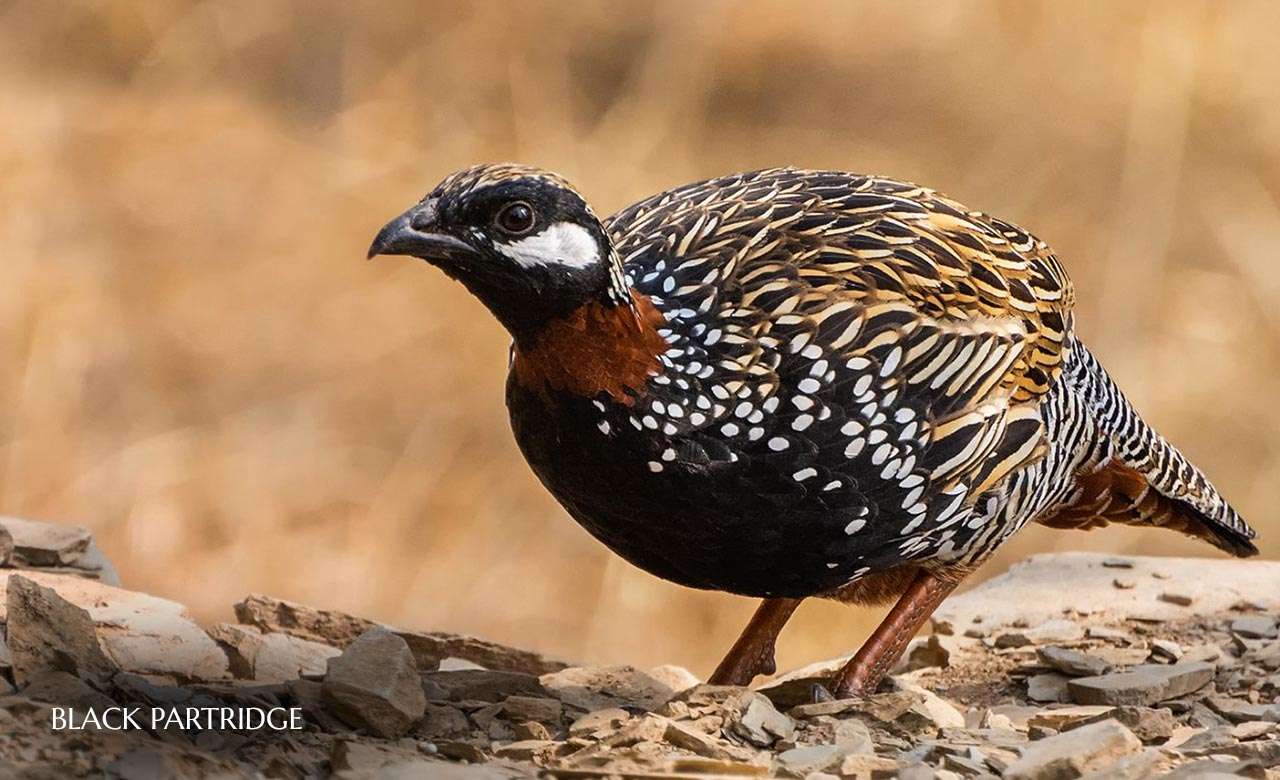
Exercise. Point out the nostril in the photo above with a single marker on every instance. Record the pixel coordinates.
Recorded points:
(420, 220)
(424, 217)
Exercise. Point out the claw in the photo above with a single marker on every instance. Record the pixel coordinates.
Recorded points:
(819, 693)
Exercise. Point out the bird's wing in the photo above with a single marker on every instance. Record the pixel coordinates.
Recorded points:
(879, 300)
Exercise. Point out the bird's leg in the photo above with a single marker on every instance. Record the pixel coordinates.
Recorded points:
(752, 654)
(863, 673)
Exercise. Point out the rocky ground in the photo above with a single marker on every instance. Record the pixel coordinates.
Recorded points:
(1068, 666)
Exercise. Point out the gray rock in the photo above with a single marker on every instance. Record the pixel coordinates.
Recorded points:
(1073, 663)
(481, 685)
(1074, 753)
(1255, 627)
(1047, 688)
(1143, 685)
(756, 720)
(1064, 718)
(852, 737)
(1236, 710)
(1147, 724)
(374, 685)
(535, 708)
(440, 721)
(1206, 741)
(45, 632)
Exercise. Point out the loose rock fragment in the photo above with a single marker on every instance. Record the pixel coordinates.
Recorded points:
(45, 632)
(1166, 650)
(933, 651)
(810, 758)
(598, 722)
(33, 544)
(1180, 599)
(1048, 688)
(535, 708)
(1143, 685)
(758, 722)
(1073, 662)
(1255, 627)
(374, 684)
(600, 687)
(1062, 718)
(64, 689)
(703, 744)
(1236, 710)
(1048, 632)
(1074, 753)
(272, 657)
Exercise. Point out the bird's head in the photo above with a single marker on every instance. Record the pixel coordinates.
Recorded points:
(520, 239)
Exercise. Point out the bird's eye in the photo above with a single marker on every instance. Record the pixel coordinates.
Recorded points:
(516, 218)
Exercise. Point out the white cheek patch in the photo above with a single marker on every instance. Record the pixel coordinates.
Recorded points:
(563, 243)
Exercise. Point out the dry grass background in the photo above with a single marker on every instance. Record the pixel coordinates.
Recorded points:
(199, 364)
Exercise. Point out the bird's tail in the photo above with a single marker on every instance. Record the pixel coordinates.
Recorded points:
(1145, 480)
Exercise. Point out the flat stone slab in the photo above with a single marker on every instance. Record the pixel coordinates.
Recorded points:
(1043, 587)
(1142, 685)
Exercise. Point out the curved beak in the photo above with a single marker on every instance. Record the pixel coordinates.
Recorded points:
(412, 234)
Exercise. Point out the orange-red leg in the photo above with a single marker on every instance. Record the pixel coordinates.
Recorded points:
(752, 654)
(863, 673)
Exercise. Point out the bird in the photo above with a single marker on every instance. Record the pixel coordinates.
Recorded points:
(792, 383)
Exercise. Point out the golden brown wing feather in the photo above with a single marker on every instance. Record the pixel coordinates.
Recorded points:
(952, 320)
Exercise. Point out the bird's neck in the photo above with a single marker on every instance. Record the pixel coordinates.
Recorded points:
(599, 347)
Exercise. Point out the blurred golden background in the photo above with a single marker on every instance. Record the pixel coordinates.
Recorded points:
(199, 365)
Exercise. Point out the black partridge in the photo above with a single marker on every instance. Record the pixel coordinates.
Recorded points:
(793, 383)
